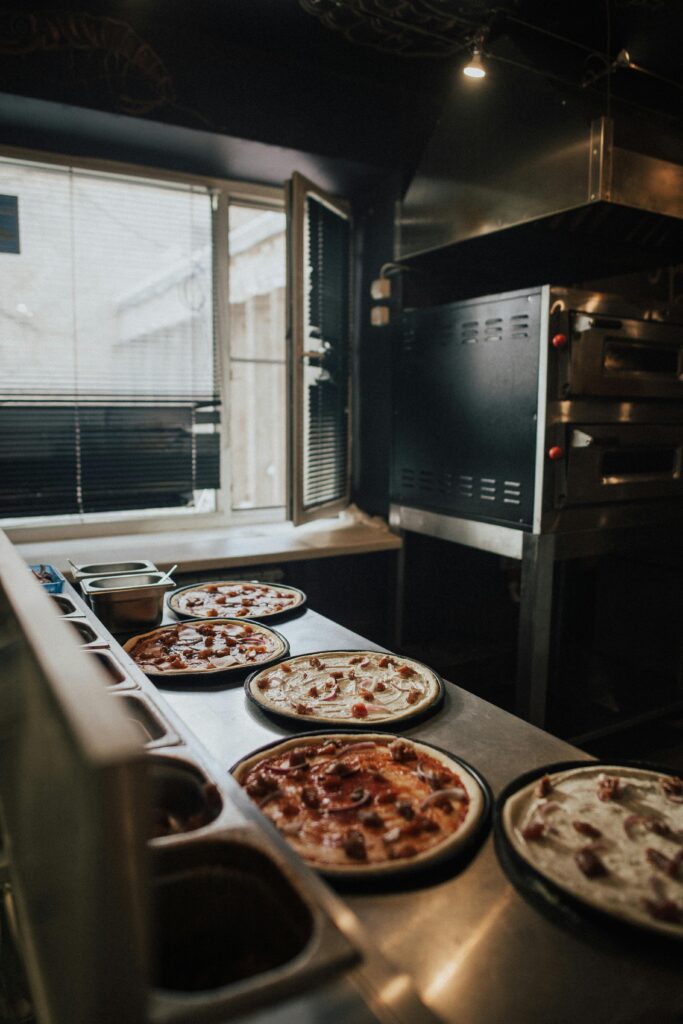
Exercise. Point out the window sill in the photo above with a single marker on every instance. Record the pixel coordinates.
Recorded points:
(199, 550)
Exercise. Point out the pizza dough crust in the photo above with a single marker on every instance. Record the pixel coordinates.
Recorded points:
(238, 598)
(219, 658)
(627, 887)
(329, 686)
(327, 856)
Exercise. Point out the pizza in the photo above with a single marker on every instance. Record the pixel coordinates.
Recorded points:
(611, 836)
(352, 687)
(235, 598)
(218, 645)
(364, 804)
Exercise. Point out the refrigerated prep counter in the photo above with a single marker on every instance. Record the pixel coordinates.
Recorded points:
(461, 942)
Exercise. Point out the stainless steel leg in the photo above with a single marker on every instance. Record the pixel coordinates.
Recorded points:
(535, 615)
(399, 595)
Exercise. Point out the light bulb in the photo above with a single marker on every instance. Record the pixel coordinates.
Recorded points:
(474, 67)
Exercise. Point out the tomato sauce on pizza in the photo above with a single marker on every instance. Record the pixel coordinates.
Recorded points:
(204, 647)
(363, 805)
(347, 687)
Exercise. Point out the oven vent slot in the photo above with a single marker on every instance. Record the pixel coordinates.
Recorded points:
(512, 492)
(469, 332)
(446, 483)
(427, 481)
(408, 478)
(519, 325)
(466, 486)
(487, 489)
(408, 339)
(493, 329)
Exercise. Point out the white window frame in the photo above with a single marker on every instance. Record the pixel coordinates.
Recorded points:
(225, 191)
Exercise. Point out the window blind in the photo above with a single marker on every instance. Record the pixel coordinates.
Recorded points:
(326, 379)
(109, 383)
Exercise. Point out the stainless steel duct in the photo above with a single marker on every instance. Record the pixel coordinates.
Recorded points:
(517, 151)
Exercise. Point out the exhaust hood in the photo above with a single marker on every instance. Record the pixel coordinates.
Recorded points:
(521, 171)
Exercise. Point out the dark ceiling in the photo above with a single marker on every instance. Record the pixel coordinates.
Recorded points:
(358, 79)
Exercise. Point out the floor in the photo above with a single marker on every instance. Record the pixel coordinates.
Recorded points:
(659, 742)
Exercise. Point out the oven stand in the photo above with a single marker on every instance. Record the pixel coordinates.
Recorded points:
(538, 554)
(535, 620)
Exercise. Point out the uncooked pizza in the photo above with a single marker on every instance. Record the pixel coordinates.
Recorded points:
(235, 598)
(347, 687)
(203, 647)
(611, 836)
(365, 805)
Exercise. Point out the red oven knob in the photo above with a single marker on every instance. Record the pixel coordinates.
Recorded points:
(559, 340)
(555, 453)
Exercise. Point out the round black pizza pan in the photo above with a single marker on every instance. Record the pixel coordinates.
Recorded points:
(213, 679)
(287, 613)
(551, 900)
(405, 875)
(407, 722)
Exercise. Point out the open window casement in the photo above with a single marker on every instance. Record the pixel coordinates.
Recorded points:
(319, 329)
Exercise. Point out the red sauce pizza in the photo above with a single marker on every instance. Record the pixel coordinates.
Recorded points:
(364, 806)
(248, 600)
(215, 646)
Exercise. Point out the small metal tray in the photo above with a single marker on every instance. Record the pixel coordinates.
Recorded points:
(117, 679)
(128, 602)
(86, 570)
(87, 636)
(66, 607)
(152, 729)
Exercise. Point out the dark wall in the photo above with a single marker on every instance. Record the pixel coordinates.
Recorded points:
(373, 401)
(357, 591)
(262, 70)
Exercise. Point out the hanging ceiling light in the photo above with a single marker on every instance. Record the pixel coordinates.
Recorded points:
(474, 67)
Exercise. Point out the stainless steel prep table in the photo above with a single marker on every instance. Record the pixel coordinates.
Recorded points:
(478, 952)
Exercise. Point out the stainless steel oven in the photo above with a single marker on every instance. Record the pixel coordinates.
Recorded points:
(542, 410)
(607, 462)
(622, 357)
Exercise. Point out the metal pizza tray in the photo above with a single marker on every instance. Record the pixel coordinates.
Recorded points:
(404, 874)
(408, 720)
(209, 677)
(287, 613)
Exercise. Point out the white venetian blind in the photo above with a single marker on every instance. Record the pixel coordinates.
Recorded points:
(108, 364)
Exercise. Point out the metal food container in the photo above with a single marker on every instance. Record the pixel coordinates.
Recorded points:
(127, 602)
(81, 572)
(49, 578)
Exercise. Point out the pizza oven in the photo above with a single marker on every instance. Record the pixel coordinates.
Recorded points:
(541, 425)
(544, 410)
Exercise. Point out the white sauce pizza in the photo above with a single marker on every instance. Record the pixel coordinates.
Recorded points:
(364, 805)
(235, 598)
(213, 646)
(359, 687)
(611, 836)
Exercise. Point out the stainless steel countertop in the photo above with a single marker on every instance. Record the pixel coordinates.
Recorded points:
(478, 952)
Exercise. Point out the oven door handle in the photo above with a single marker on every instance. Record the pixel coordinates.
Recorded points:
(580, 439)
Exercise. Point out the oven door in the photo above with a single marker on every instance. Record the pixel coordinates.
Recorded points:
(623, 358)
(609, 462)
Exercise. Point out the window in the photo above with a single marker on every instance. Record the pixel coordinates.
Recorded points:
(258, 357)
(321, 317)
(171, 352)
(128, 386)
